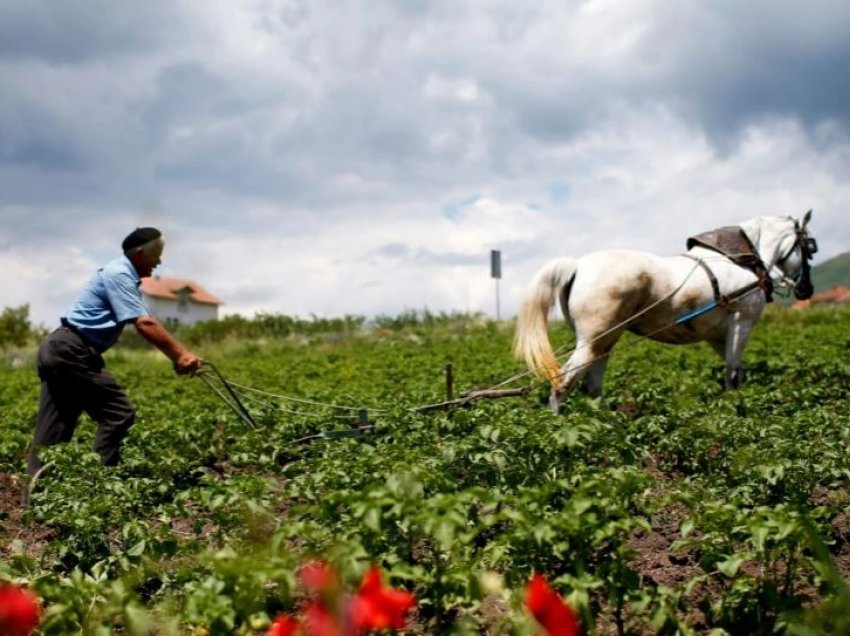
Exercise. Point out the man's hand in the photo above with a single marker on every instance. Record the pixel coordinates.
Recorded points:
(187, 364)
(151, 329)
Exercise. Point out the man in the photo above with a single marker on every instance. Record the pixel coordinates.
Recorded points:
(70, 365)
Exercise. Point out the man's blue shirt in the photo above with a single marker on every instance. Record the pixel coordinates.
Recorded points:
(109, 300)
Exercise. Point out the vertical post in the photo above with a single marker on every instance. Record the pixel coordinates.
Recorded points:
(362, 417)
(496, 273)
(449, 382)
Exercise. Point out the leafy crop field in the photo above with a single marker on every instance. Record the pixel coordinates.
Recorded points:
(668, 506)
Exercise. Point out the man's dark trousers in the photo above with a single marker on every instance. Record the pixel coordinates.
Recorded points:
(73, 380)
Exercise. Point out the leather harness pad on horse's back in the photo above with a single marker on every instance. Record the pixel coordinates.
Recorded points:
(734, 244)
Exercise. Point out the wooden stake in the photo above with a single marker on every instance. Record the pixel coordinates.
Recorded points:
(471, 396)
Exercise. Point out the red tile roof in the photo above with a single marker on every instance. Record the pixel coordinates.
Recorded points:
(837, 295)
(166, 287)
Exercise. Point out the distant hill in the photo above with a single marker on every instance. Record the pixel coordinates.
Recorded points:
(835, 271)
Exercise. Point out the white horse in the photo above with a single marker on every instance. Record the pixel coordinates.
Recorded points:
(715, 293)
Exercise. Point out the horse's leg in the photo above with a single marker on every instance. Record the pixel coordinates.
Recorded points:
(589, 358)
(571, 374)
(731, 377)
(592, 383)
(732, 349)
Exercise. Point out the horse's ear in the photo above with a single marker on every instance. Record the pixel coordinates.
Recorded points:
(806, 218)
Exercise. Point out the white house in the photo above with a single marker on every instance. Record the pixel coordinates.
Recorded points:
(179, 299)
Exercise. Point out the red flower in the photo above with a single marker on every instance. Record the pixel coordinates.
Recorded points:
(377, 607)
(557, 618)
(318, 620)
(318, 576)
(19, 611)
(324, 615)
(331, 612)
(284, 626)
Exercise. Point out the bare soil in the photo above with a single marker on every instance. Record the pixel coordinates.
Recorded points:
(18, 534)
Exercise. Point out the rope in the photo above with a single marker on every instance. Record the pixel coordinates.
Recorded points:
(275, 406)
(603, 334)
(270, 405)
(246, 390)
(561, 356)
(643, 336)
(304, 401)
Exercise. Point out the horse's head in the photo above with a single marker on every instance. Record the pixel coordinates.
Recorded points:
(795, 249)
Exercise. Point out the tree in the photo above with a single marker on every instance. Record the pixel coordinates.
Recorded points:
(15, 327)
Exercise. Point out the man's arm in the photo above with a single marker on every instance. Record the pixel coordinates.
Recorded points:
(152, 330)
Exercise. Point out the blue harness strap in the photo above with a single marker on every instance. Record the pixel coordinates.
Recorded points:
(696, 312)
(715, 288)
(721, 302)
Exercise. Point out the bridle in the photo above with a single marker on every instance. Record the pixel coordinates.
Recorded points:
(801, 280)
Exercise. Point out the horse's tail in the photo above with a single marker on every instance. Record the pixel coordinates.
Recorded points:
(531, 341)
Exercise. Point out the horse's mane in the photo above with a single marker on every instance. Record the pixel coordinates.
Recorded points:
(755, 229)
(752, 228)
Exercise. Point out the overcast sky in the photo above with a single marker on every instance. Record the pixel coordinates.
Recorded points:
(338, 157)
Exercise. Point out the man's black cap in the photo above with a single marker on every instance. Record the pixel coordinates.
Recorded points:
(140, 236)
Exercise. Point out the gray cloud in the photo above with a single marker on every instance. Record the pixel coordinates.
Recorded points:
(272, 124)
(78, 31)
(399, 252)
(730, 63)
(343, 92)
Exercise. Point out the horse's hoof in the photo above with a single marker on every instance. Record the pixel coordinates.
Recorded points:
(735, 379)
(554, 403)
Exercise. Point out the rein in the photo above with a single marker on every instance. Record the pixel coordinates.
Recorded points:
(803, 287)
(731, 243)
